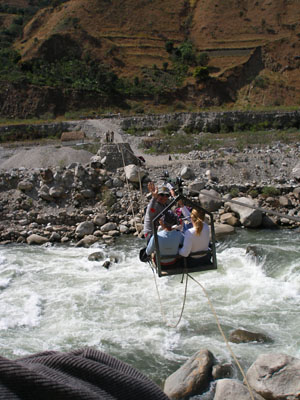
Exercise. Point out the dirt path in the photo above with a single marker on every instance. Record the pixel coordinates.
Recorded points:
(101, 126)
(62, 154)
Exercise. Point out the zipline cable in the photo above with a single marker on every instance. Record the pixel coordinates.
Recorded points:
(264, 210)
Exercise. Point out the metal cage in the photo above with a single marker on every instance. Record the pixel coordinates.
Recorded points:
(161, 271)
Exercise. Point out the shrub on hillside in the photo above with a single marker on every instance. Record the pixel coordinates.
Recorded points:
(201, 74)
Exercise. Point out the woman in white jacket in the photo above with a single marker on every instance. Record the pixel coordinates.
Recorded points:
(196, 239)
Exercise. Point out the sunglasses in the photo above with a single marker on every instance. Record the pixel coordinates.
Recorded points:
(164, 195)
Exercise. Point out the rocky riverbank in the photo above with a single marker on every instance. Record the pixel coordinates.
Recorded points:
(271, 376)
(101, 199)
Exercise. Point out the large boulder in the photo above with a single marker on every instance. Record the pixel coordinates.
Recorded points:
(36, 239)
(192, 378)
(85, 228)
(222, 230)
(99, 219)
(56, 191)
(110, 226)
(133, 173)
(243, 336)
(187, 173)
(249, 217)
(275, 376)
(25, 185)
(44, 193)
(229, 219)
(210, 200)
(96, 256)
(232, 389)
(196, 186)
(87, 241)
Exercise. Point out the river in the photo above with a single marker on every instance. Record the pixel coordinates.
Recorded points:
(54, 298)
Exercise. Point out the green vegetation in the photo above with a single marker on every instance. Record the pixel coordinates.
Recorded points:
(28, 133)
(68, 72)
(185, 56)
(169, 139)
(234, 192)
(201, 74)
(270, 191)
(253, 193)
(231, 161)
(64, 73)
(107, 197)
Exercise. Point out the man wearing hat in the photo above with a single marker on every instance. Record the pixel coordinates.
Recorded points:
(160, 199)
(169, 239)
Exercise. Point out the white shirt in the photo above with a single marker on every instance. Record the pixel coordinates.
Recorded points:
(193, 243)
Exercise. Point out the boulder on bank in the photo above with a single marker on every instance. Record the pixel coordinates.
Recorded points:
(99, 219)
(134, 174)
(222, 230)
(192, 378)
(87, 241)
(109, 226)
(25, 185)
(232, 389)
(210, 200)
(229, 219)
(187, 173)
(85, 228)
(275, 376)
(36, 239)
(249, 216)
(195, 187)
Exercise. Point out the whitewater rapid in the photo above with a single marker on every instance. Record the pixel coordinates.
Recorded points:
(54, 298)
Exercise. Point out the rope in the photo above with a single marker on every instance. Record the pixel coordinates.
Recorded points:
(224, 337)
(187, 275)
(264, 210)
(160, 302)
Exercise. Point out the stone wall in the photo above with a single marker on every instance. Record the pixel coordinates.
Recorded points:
(218, 121)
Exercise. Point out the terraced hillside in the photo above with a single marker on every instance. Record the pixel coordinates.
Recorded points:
(253, 46)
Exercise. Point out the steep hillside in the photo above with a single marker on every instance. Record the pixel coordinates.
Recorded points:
(252, 46)
(125, 34)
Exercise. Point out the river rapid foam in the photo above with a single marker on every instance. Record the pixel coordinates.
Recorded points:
(54, 298)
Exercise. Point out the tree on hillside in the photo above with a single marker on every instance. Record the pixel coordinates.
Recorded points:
(202, 59)
(201, 74)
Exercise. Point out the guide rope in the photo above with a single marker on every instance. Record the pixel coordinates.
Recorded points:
(159, 298)
(187, 275)
(223, 335)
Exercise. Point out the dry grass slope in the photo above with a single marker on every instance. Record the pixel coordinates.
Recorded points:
(129, 35)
